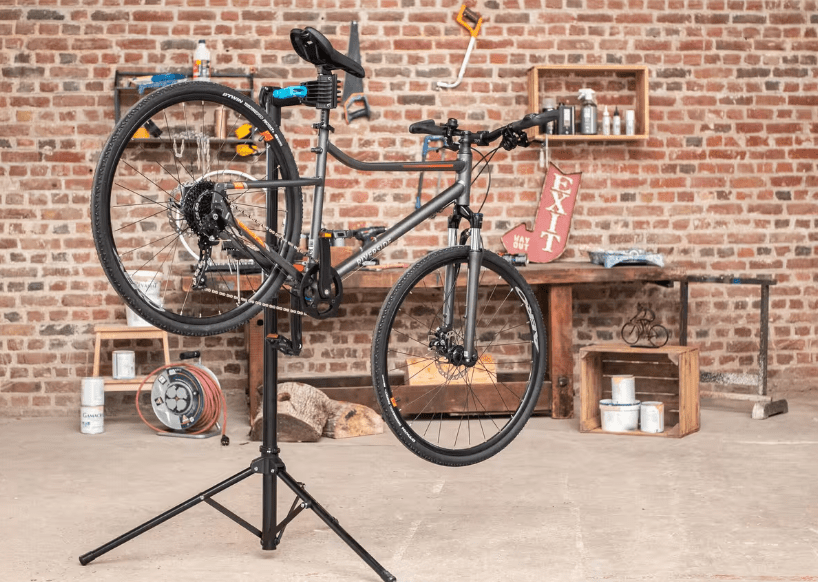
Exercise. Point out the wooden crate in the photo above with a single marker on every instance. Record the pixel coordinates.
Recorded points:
(669, 374)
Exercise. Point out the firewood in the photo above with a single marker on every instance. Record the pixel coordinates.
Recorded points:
(305, 413)
(348, 419)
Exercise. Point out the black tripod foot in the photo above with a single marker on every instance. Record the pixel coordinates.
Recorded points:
(271, 533)
(308, 502)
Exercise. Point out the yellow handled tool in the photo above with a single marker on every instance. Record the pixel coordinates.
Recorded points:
(471, 21)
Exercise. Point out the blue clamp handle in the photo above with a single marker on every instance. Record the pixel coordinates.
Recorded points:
(289, 92)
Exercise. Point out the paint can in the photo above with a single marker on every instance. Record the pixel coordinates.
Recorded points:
(92, 419)
(619, 417)
(623, 389)
(92, 392)
(123, 365)
(652, 417)
(149, 283)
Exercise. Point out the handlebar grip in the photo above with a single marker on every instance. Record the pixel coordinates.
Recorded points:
(529, 120)
(427, 126)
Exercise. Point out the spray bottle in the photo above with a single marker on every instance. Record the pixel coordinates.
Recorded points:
(616, 128)
(588, 121)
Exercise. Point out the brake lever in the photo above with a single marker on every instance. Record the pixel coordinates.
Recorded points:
(514, 138)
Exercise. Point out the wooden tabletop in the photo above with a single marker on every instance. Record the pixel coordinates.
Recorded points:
(556, 273)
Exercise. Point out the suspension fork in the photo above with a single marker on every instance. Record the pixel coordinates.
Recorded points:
(463, 211)
(475, 263)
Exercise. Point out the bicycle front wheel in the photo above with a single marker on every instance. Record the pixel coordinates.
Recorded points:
(166, 236)
(440, 408)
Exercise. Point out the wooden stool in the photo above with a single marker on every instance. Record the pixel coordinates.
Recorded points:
(115, 332)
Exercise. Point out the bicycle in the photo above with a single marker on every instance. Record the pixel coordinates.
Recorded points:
(642, 326)
(214, 210)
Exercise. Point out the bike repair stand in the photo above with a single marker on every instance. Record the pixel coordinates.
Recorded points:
(269, 465)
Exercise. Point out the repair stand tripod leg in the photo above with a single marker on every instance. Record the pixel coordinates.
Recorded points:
(271, 468)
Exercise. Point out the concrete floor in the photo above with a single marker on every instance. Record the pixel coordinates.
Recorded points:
(736, 501)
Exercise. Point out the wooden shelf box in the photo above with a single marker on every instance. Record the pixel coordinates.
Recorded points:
(620, 86)
(669, 374)
(124, 332)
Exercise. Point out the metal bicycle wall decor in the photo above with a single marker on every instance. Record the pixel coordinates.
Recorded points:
(641, 331)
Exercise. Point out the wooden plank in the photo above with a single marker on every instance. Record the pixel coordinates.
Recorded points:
(643, 369)
(672, 432)
(456, 399)
(561, 360)
(365, 394)
(554, 273)
(689, 412)
(615, 350)
(112, 385)
(649, 385)
(424, 372)
(591, 390)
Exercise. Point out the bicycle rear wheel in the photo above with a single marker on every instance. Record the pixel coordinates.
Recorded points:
(442, 410)
(161, 229)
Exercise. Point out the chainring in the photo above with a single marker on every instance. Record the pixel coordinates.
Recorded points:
(311, 301)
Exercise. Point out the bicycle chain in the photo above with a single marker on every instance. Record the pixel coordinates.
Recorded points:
(253, 301)
(286, 242)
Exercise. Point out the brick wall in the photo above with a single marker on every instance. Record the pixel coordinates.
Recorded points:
(726, 183)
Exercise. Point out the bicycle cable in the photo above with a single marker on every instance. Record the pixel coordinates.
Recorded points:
(486, 161)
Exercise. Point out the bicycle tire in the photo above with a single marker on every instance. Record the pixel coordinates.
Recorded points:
(459, 419)
(630, 333)
(658, 335)
(153, 208)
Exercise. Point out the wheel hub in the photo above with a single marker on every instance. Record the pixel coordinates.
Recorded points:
(442, 342)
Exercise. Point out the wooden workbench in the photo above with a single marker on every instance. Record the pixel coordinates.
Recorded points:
(553, 284)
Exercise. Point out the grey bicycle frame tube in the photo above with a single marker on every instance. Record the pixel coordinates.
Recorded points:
(390, 235)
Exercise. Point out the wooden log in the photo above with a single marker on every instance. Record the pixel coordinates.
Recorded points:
(348, 419)
(305, 413)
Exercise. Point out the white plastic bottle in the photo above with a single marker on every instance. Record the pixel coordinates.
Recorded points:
(201, 61)
(606, 122)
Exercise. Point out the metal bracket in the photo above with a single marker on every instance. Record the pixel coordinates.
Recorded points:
(267, 465)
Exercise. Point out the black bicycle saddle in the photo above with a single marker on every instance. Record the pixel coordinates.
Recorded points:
(313, 47)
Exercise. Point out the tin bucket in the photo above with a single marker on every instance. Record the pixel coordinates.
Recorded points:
(92, 392)
(623, 390)
(619, 417)
(92, 419)
(124, 366)
(149, 283)
(652, 417)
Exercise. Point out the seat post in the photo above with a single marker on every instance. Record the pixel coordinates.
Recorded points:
(324, 129)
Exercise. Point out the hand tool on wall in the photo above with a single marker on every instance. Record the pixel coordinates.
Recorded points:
(155, 81)
(426, 148)
(354, 86)
(471, 21)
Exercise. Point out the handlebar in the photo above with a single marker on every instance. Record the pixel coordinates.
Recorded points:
(512, 133)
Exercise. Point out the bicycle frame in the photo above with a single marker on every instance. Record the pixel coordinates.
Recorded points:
(457, 193)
